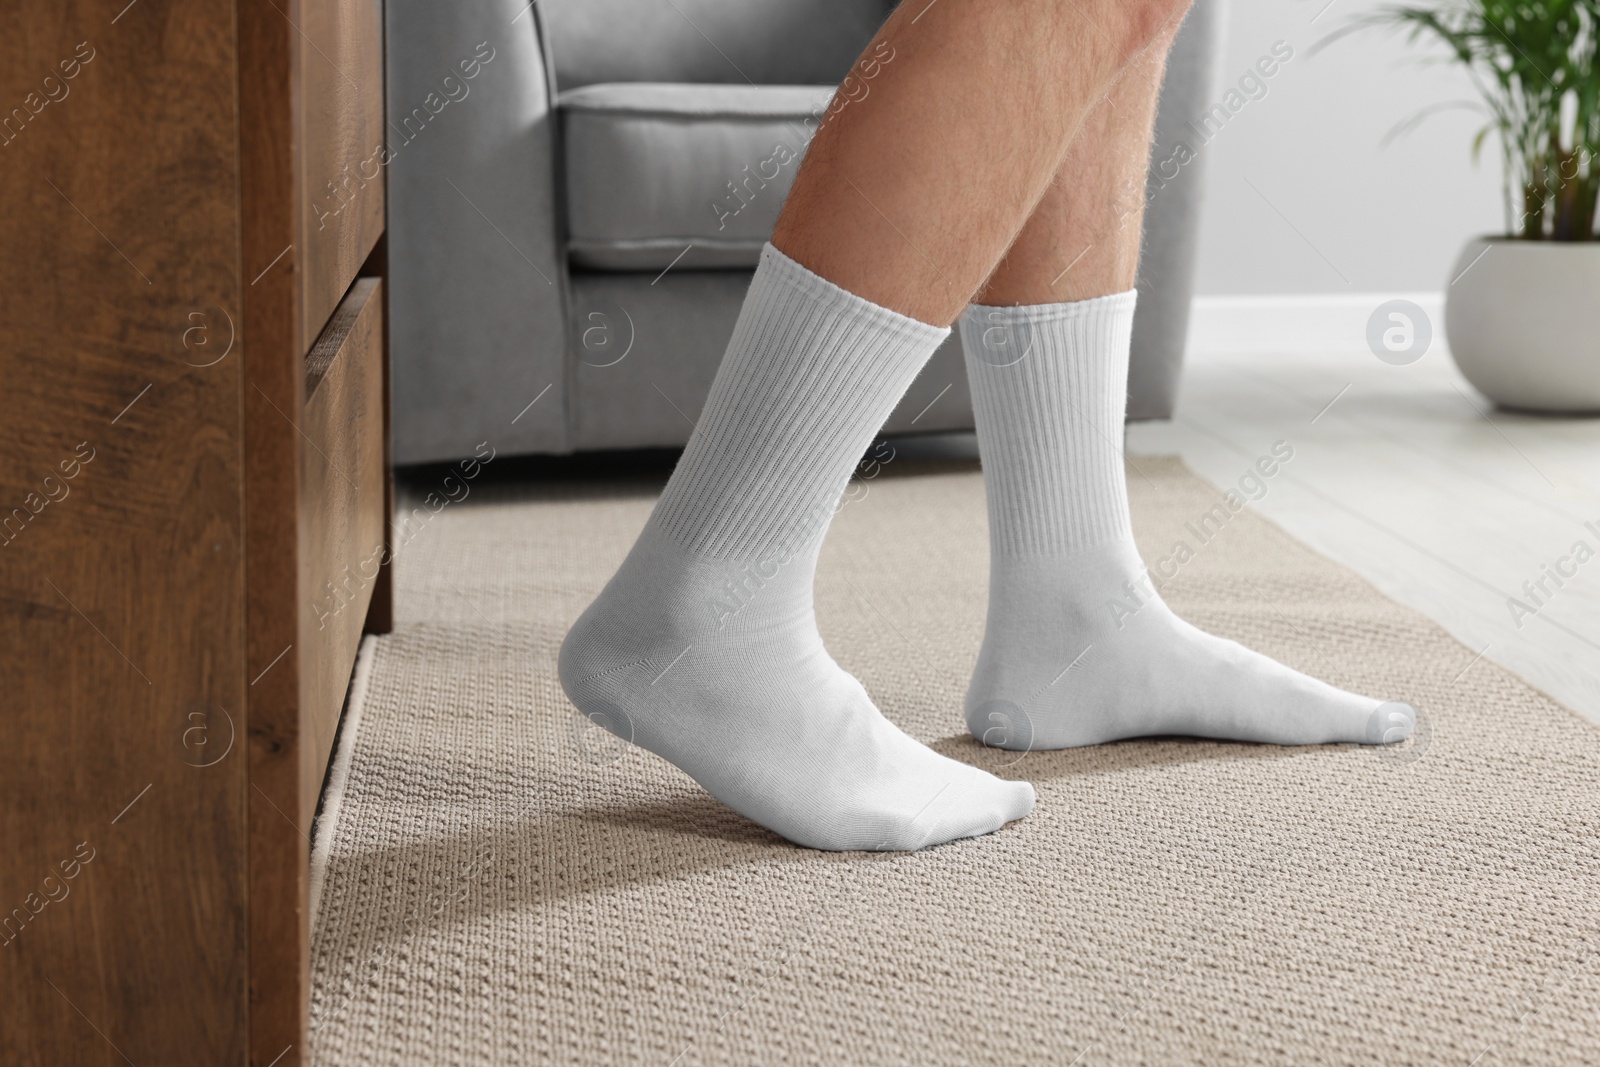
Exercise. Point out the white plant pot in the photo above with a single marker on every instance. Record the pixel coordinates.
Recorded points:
(1523, 322)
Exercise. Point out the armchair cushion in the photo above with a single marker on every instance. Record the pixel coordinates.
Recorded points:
(765, 42)
(653, 169)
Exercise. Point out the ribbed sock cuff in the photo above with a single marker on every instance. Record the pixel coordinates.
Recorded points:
(810, 375)
(1050, 393)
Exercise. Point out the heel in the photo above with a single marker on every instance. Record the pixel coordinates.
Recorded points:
(579, 666)
(1001, 723)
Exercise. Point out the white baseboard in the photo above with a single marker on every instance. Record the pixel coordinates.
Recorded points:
(1292, 323)
(327, 823)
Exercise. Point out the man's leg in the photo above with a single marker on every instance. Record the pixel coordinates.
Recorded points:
(1082, 240)
(1079, 648)
(703, 647)
(909, 197)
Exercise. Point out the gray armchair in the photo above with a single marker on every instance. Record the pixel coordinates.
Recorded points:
(578, 190)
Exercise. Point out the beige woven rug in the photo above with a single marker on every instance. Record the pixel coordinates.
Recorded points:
(499, 886)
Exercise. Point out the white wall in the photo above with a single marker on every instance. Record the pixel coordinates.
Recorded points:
(1373, 219)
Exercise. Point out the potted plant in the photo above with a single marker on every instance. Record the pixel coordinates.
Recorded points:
(1522, 310)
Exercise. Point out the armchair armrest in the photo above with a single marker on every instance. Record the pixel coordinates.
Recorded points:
(1174, 190)
(477, 305)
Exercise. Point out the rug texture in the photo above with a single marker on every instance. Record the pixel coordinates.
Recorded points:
(503, 886)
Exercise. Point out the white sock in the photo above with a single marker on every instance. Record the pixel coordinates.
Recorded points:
(703, 648)
(1061, 665)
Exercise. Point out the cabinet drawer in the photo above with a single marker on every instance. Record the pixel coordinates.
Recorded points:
(342, 524)
(341, 166)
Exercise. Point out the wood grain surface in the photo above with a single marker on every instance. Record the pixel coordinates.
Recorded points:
(341, 516)
(341, 163)
(122, 628)
(165, 511)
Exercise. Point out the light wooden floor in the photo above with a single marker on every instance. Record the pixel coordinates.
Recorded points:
(1411, 479)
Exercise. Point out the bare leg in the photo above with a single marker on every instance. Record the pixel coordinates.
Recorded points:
(910, 196)
(1082, 239)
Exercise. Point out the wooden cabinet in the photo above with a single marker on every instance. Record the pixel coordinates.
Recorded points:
(343, 534)
(194, 501)
(341, 159)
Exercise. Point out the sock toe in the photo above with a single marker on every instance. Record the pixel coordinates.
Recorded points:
(1390, 723)
(987, 805)
(1017, 800)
